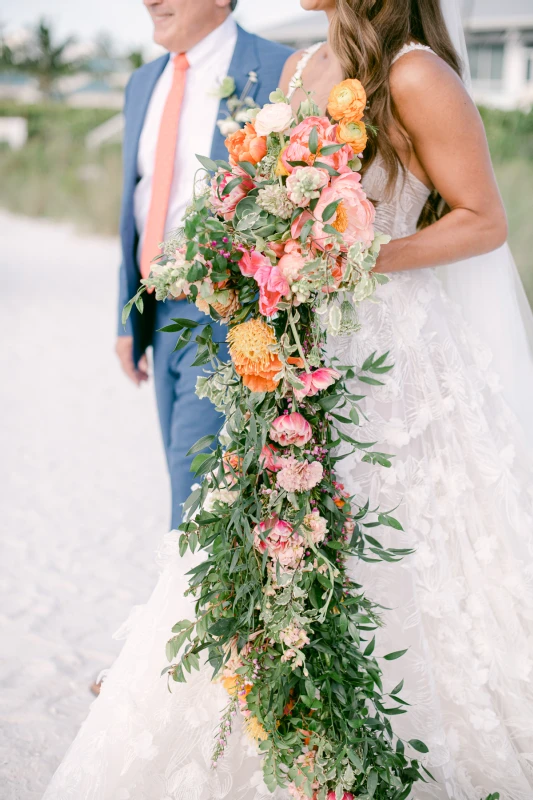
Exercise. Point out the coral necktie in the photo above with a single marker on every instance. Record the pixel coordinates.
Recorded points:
(164, 165)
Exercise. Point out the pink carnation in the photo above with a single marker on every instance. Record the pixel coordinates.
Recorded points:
(299, 476)
(316, 381)
(291, 429)
(225, 205)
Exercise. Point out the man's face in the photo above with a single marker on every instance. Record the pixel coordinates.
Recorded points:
(177, 23)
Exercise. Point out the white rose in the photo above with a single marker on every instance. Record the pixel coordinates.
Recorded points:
(227, 126)
(273, 118)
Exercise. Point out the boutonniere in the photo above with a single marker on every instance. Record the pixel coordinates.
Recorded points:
(241, 108)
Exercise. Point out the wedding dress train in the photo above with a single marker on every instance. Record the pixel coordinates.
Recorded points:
(462, 604)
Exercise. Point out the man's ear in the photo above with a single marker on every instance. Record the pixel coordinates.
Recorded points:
(229, 4)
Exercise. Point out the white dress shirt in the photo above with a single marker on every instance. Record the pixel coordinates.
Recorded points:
(209, 63)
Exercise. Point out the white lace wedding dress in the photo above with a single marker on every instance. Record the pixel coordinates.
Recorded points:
(463, 603)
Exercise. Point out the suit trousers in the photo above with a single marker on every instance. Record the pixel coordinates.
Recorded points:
(183, 417)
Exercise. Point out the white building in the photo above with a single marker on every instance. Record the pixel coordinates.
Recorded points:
(500, 45)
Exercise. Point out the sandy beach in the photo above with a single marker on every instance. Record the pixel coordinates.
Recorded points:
(83, 488)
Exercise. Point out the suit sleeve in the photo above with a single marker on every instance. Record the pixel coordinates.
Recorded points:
(123, 293)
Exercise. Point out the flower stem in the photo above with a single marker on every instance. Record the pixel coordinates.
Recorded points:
(298, 342)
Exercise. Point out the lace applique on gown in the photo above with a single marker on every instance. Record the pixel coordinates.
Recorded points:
(463, 604)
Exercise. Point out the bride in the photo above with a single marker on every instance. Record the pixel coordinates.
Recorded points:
(450, 413)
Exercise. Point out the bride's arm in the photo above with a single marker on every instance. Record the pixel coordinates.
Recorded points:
(449, 143)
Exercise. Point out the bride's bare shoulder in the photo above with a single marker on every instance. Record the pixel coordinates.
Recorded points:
(419, 75)
(289, 69)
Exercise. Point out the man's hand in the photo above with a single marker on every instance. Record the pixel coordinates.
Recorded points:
(124, 350)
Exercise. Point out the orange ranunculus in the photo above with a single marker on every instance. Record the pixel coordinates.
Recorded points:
(246, 145)
(354, 134)
(251, 353)
(347, 101)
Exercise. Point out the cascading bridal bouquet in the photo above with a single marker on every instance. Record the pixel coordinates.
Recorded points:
(279, 243)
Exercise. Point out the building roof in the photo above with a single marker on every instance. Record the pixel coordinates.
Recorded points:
(493, 14)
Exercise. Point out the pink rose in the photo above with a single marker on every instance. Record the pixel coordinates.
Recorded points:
(251, 261)
(316, 525)
(291, 429)
(272, 287)
(346, 796)
(316, 381)
(225, 205)
(269, 458)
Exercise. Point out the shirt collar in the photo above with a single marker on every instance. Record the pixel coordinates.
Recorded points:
(213, 42)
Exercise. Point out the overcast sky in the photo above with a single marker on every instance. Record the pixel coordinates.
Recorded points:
(126, 20)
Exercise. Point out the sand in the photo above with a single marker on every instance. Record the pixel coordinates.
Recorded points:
(83, 488)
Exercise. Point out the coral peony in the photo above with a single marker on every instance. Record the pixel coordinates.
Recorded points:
(251, 349)
(316, 381)
(299, 476)
(225, 205)
(347, 101)
(291, 429)
(298, 147)
(246, 145)
(354, 217)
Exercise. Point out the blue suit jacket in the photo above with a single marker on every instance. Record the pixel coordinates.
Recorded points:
(251, 54)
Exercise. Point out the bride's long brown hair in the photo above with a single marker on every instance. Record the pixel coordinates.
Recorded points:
(365, 36)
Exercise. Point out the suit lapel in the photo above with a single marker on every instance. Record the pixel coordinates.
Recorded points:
(245, 60)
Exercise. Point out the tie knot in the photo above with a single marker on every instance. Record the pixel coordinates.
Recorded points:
(180, 62)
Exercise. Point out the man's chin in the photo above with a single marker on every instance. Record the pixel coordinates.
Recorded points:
(162, 40)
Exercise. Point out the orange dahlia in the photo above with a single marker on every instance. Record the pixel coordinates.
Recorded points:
(252, 350)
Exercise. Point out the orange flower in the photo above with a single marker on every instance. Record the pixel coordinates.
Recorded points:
(352, 133)
(255, 730)
(252, 346)
(281, 169)
(347, 101)
(246, 145)
(234, 461)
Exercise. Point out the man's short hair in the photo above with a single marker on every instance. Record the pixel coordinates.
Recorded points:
(233, 4)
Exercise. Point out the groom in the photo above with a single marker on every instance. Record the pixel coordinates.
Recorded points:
(171, 111)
